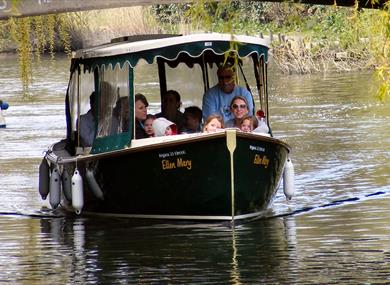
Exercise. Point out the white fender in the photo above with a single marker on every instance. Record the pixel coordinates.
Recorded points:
(93, 185)
(44, 179)
(77, 192)
(66, 185)
(55, 190)
(288, 179)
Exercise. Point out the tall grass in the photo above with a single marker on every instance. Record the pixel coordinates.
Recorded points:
(96, 27)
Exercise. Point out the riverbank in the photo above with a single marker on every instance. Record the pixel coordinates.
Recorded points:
(306, 39)
(291, 54)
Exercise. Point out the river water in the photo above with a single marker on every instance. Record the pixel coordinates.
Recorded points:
(336, 230)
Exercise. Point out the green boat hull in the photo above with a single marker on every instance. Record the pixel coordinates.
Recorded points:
(191, 180)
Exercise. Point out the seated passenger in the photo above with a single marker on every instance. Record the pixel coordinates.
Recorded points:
(213, 123)
(239, 109)
(148, 125)
(87, 123)
(218, 98)
(170, 109)
(120, 116)
(140, 112)
(248, 124)
(192, 120)
(262, 125)
(164, 127)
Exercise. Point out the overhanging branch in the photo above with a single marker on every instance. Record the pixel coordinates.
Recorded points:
(42, 7)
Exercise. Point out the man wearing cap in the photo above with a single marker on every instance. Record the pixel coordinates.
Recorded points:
(217, 99)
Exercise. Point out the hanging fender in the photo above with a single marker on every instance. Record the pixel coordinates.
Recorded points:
(66, 184)
(44, 179)
(77, 192)
(93, 185)
(288, 179)
(55, 188)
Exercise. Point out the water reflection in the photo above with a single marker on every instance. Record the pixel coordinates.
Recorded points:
(186, 252)
(325, 247)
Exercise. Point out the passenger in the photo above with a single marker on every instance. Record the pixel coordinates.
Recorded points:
(148, 125)
(262, 125)
(164, 127)
(218, 98)
(239, 109)
(3, 105)
(170, 109)
(213, 123)
(140, 111)
(248, 124)
(192, 120)
(87, 123)
(120, 116)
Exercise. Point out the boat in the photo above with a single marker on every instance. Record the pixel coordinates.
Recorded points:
(3, 106)
(223, 176)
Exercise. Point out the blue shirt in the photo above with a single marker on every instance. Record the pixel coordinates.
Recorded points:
(215, 101)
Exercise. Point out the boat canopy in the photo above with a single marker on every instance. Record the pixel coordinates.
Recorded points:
(170, 48)
(108, 71)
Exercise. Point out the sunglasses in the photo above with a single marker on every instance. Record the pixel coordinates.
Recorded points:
(221, 77)
(242, 106)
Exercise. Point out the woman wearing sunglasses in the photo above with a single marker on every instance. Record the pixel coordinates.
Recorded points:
(239, 109)
(216, 100)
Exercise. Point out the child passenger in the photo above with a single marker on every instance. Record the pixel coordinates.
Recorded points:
(213, 123)
(192, 120)
(163, 127)
(148, 125)
(248, 124)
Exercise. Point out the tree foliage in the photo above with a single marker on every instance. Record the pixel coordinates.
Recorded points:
(33, 37)
(316, 35)
(319, 38)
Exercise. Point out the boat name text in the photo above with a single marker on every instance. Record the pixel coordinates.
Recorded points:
(258, 148)
(167, 164)
(171, 153)
(261, 160)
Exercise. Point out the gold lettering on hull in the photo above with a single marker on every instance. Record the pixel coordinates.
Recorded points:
(261, 160)
(167, 164)
(184, 163)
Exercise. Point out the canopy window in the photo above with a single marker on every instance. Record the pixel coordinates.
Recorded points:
(114, 101)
